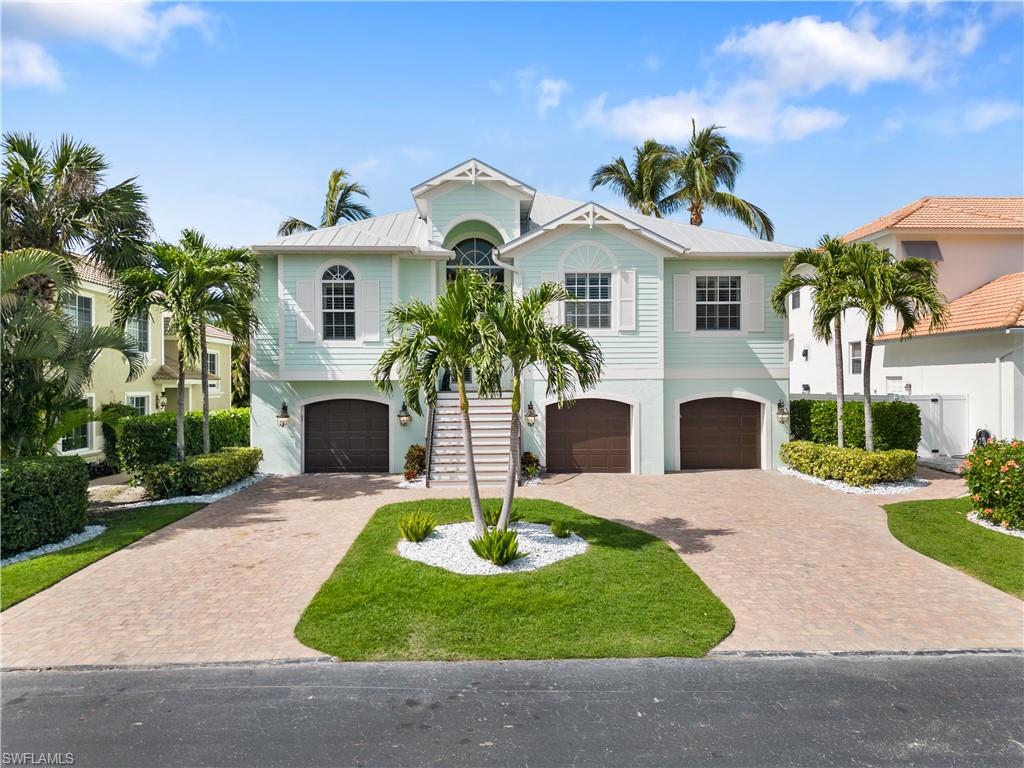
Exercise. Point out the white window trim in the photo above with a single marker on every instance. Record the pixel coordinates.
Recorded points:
(92, 308)
(148, 352)
(692, 284)
(319, 297)
(216, 356)
(564, 268)
(147, 395)
(859, 358)
(90, 432)
(613, 297)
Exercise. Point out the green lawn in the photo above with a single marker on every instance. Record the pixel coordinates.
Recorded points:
(24, 579)
(629, 595)
(940, 530)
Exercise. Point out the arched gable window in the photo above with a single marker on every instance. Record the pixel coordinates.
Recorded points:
(475, 253)
(338, 303)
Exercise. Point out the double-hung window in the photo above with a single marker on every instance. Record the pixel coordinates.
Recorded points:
(796, 299)
(80, 438)
(139, 402)
(138, 328)
(718, 303)
(592, 308)
(211, 363)
(856, 362)
(338, 297)
(79, 310)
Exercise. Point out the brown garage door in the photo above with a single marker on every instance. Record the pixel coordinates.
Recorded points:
(590, 436)
(346, 436)
(720, 433)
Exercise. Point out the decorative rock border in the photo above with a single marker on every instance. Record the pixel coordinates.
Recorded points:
(977, 519)
(878, 489)
(202, 498)
(89, 532)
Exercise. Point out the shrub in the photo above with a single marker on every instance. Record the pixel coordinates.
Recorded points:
(200, 474)
(499, 547)
(995, 479)
(530, 465)
(416, 526)
(492, 513)
(113, 415)
(44, 500)
(102, 468)
(147, 440)
(415, 461)
(897, 423)
(850, 465)
(560, 529)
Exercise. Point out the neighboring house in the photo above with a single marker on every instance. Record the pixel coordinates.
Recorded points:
(969, 375)
(695, 362)
(156, 388)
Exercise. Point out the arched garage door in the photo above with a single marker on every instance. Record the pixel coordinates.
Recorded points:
(589, 436)
(720, 433)
(346, 436)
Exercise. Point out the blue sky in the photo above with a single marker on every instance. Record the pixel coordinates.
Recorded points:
(232, 114)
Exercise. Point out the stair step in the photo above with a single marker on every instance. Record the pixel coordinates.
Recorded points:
(482, 479)
(457, 450)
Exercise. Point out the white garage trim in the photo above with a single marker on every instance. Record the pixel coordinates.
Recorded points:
(766, 427)
(344, 396)
(634, 425)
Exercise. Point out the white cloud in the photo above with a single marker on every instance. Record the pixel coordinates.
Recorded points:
(981, 116)
(28, 64)
(970, 38)
(653, 63)
(549, 94)
(364, 166)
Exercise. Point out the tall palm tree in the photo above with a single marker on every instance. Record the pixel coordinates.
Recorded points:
(875, 283)
(454, 333)
(821, 269)
(55, 199)
(705, 173)
(568, 357)
(339, 205)
(648, 187)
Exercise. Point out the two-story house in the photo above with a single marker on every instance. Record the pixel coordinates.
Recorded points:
(970, 374)
(695, 361)
(156, 388)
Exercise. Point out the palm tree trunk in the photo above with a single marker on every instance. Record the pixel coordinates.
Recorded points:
(467, 447)
(513, 453)
(204, 368)
(840, 379)
(180, 421)
(869, 426)
(696, 215)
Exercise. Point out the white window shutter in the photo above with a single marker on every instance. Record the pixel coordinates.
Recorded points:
(369, 306)
(552, 311)
(682, 302)
(752, 290)
(305, 320)
(627, 301)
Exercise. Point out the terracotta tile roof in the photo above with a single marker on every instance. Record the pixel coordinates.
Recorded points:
(949, 213)
(999, 304)
(171, 372)
(214, 332)
(92, 273)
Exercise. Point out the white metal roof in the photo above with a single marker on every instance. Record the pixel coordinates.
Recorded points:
(401, 231)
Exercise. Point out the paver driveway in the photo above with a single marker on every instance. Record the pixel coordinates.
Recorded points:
(801, 567)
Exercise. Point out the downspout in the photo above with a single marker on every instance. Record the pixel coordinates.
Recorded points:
(999, 390)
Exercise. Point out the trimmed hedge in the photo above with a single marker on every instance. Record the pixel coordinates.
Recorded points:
(995, 479)
(850, 465)
(200, 474)
(44, 500)
(897, 423)
(144, 441)
(114, 414)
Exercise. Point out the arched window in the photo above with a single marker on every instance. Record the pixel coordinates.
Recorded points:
(338, 297)
(475, 253)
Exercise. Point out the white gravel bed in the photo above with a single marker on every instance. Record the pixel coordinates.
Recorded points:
(977, 519)
(419, 482)
(878, 489)
(448, 547)
(202, 498)
(90, 532)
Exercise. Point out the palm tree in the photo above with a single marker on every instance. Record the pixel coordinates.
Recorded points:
(648, 187)
(339, 205)
(875, 283)
(453, 333)
(822, 270)
(569, 359)
(702, 169)
(54, 199)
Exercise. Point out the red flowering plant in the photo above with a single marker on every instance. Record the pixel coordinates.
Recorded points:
(995, 479)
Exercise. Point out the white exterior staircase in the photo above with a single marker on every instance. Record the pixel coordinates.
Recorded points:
(491, 422)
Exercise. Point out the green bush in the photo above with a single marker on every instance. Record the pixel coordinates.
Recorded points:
(113, 415)
(493, 512)
(995, 479)
(531, 465)
(415, 461)
(200, 474)
(101, 468)
(497, 546)
(416, 526)
(42, 501)
(850, 465)
(897, 423)
(147, 440)
(560, 529)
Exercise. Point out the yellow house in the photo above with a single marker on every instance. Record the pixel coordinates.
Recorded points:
(156, 388)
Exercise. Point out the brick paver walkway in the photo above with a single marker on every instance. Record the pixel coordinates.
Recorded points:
(801, 567)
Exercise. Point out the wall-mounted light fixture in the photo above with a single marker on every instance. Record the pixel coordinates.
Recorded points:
(907, 388)
(282, 415)
(531, 415)
(161, 401)
(804, 353)
(781, 413)
(404, 417)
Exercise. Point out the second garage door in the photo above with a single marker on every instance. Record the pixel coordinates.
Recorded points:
(590, 436)
(346, 436)
(720, 433)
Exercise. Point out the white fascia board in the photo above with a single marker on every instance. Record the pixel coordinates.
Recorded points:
(780, 255)
(473, 167)
(380, 249)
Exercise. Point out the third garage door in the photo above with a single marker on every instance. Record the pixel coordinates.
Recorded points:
(590, 436)
(720, 433)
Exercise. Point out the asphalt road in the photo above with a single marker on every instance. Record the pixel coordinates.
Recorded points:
(921, 711)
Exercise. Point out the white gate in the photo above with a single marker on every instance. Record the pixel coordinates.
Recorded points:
(944, 425)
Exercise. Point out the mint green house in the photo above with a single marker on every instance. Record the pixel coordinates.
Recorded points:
(695, 360)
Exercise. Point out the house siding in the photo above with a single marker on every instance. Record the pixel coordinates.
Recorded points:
(478, 200)
(266, 351)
